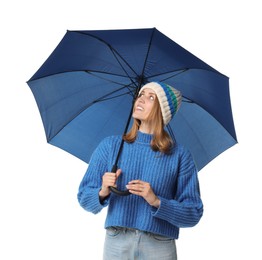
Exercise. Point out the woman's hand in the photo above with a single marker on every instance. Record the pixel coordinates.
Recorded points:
(109, 179)
(144, 190)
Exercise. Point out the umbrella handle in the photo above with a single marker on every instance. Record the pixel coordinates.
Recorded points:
(115, 190)
(119, 192)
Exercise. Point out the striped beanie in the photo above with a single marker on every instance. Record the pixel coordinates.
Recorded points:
(169, 99)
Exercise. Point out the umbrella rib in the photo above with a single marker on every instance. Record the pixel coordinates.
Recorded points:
(85, 70)
(92, 73)
(177, 71)
(171, 133)
(182, 70)
(129, 86)
(114, 52)
(102, 98)
(147, 54)
(186, 99)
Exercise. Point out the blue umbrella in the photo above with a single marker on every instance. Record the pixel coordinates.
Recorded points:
(85, 91)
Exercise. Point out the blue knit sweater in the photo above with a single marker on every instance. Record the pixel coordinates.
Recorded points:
(172, 177)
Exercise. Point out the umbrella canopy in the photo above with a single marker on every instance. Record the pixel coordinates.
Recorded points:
(85, 90)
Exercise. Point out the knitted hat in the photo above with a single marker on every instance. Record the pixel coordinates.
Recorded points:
(169, 99)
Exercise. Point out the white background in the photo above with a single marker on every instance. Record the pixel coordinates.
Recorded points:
(39, 214)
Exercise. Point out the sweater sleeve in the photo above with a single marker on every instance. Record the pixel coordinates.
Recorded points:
(89, 188)
(186, 209)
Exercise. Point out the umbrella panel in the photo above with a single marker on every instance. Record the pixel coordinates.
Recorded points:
(200, 133)
(81, 136)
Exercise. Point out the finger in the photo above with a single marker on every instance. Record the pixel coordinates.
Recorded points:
(118, 172)
(109, 179)
(138, 192)
(110, 174)
(135, 187)
(135, 182)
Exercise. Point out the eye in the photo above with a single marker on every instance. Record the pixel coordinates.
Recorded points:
(152, 98)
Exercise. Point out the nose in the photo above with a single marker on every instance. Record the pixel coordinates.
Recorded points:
(141, 99)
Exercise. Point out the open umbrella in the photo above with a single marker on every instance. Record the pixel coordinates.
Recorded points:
(86, 88)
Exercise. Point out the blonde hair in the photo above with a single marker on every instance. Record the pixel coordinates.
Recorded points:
(161, 141)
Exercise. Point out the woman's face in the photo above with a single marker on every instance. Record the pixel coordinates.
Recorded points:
(144, 104)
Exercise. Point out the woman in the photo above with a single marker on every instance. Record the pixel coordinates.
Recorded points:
(160, 175)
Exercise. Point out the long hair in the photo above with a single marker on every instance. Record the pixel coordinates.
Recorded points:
(161, 141)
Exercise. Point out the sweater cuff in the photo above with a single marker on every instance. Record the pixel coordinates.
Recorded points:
(94, 203)
(163, 210)
(104, 202)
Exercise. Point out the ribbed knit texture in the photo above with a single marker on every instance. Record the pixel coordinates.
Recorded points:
(169, 99)
(172, 177)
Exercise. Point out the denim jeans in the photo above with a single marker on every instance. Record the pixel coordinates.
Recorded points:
(132, 244)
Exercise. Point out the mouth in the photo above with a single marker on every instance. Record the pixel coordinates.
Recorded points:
(139, 108)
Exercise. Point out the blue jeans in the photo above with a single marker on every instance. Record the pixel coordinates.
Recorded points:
(132, 244)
